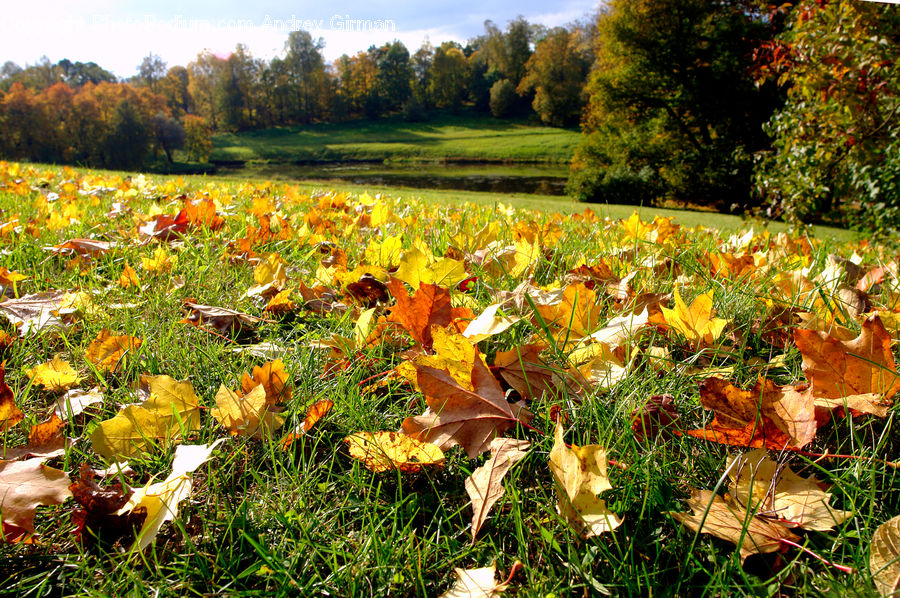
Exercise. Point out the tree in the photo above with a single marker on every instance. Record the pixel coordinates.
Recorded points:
(307, 81)
(556, 73)
(204, 73)
(448, 75)
(836, 142)
(128, 138)
(174, 87)
(168, 134)
(197, 138)
(421, 74)
(673, 112)
(151, 70)
(393, 76)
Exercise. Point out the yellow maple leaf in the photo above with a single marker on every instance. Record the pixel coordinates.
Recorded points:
(160, 262)
(383, 451)
(417, 268)
(172, 410)
(580, 474)
(56, 375)
(270, 276)
(248, 415)
(129, 278)
(696, 323)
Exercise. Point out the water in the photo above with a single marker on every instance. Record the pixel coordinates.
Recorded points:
(493, 178)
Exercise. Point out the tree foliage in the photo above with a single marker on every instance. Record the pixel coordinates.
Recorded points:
(556, 73)
(836, 142)
(673, 112)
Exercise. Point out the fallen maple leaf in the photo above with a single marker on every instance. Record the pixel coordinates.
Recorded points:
(39, 311)
(428, 306)
(580, 475)
(225, 321)
(485, 485)
(524, 370)
(24, 485)
(270, 277)
(657, 416)
(768, 415)
(383, 451)
(456, 415)
(160, 500)
(712, 515)
(773, 491)
(10, 414)
(273, 378)
(171, 410)
(884, 557)
(248, 415)
(576, 316)
(488, 323)
(837, 369)
(45, 440)
(56, 375)
(695, 323)
(107, 351)
(129, 278)
(477, 583)
(417, 269)
(82, 247)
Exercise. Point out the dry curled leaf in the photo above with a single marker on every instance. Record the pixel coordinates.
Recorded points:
(226, 322)
(96, 521)
(478, 583)
(75, 401)
(315, 412)
(485, 485)
(383, 451)
(45, 441)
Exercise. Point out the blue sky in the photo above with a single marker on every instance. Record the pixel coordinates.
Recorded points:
(117, 34)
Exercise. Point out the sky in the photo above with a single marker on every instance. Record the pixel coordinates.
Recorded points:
(117, 34)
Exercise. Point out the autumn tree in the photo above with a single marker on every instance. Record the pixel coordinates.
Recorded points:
(204, 73)
(556, 74)
(836, 146)
(672, 111)
(174, 88)
(394, 73)
(447, 76)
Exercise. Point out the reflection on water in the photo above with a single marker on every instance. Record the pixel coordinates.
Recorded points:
(494, 178)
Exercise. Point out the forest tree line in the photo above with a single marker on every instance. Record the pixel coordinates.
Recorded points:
(793, 109)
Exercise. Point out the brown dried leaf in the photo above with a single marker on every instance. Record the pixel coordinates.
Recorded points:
(456, 415)
(712, 515)
(10, 414)
(485, 485)
(224, 321)
(45, 440)
(884, 557)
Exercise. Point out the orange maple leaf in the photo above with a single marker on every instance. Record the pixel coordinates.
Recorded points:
(768, 415)
(273, 378)
(837, 368)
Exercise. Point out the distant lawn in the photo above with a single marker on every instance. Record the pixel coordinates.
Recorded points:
(454, 137)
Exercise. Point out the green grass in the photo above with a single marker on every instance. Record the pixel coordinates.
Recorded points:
(262, 521)
(448, 137)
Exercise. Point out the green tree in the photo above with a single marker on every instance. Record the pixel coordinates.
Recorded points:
(556, 74)
(307, 81)
(394, 73)
(836, 142)
(197, 138)
(673, 112)
(503, 98)
(127, 141)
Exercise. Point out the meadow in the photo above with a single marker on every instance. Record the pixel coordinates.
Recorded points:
(445, 137)
(370, 392)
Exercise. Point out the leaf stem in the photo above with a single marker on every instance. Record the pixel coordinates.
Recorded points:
(843, 568)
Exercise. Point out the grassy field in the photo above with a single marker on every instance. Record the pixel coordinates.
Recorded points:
(262, 514)
(448, 137)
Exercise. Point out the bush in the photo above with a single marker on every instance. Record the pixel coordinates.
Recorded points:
(503, 98)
